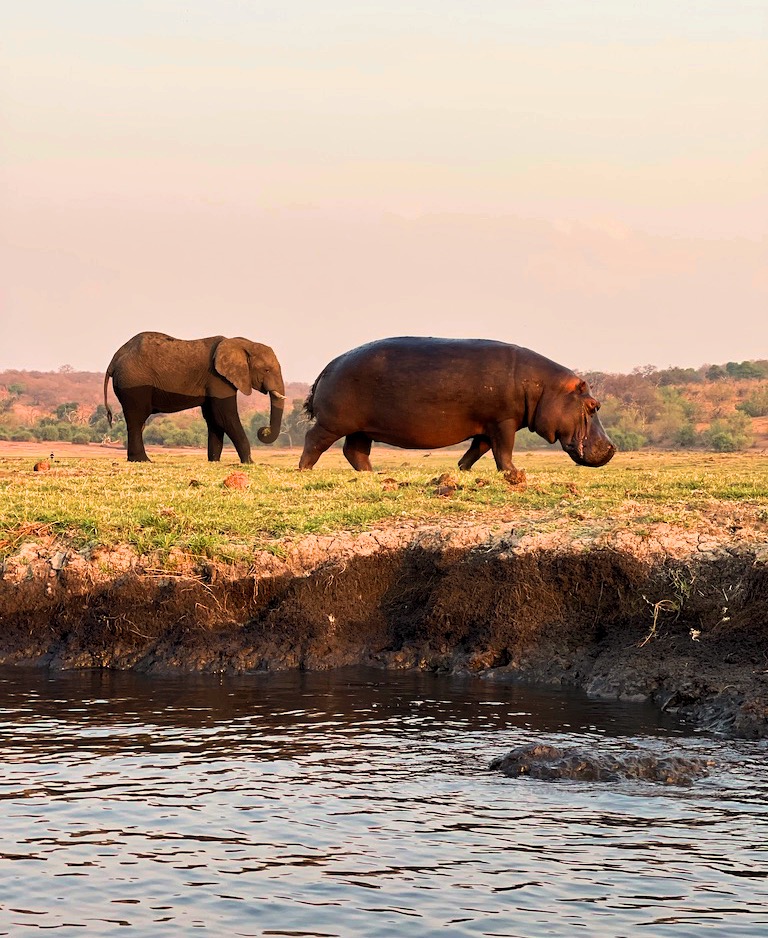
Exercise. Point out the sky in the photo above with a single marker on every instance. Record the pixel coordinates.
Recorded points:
(587, 179)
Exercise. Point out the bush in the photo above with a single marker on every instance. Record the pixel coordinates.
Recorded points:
(729, 435)
(686, 436)
(626, 439)
(756, 405)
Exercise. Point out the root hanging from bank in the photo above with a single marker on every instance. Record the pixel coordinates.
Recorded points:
(627, 619)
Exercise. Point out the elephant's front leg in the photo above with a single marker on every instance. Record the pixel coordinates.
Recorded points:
(221, 416)
(480, 446)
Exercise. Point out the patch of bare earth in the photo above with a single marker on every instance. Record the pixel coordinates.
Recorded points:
(675, 614)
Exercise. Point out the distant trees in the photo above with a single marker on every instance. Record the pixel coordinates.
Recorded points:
(751, 370)
(682, 408)
(711, 407)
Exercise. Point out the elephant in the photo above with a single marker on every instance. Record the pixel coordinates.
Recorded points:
(423, 393)
(154, 373)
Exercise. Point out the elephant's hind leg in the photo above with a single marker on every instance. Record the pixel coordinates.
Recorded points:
(316, 442)
(215, 433)
(137, 406)
(480, 446)
(357, 449)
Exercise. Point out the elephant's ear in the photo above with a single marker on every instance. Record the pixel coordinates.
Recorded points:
(231, 361)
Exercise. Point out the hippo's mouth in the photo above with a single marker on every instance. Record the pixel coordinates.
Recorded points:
(594, 457)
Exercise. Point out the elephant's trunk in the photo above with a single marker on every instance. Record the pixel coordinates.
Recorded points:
(277, 403)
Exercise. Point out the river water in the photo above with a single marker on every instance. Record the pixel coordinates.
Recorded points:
(358, 803)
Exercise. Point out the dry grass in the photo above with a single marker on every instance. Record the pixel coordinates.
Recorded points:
(179, 501)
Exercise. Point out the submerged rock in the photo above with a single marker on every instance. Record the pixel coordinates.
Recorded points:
(549, 763)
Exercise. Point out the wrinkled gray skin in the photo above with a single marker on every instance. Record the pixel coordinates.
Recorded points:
(424, 393)
(154, 373)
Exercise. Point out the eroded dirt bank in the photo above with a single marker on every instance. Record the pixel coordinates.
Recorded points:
(678, 616)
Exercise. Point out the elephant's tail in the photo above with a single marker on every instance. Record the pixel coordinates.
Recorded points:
(107, 376)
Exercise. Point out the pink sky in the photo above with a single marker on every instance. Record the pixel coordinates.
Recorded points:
(594, 187)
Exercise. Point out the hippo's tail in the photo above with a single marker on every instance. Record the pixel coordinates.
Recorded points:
(309, 403)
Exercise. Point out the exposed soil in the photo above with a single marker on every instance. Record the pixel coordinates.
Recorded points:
(675, 615)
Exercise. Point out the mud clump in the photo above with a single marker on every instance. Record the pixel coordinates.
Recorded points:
(551, 763)
(516, 479)
(236, 480)
(446, 485)
(670, 617)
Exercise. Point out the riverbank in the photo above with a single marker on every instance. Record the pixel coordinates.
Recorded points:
(591, 580)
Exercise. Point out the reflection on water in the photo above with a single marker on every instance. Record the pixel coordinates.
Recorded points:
(357, 803)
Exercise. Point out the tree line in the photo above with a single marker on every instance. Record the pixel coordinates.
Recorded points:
(711, 407)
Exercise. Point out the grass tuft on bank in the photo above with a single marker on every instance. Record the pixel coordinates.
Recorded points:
(180, 502)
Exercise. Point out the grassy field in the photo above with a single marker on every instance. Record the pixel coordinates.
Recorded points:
(179, 501)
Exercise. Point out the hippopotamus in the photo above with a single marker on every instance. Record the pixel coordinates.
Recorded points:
(551, 763)
(423, 393)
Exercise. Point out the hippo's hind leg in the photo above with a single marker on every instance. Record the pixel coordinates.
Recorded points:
(480, 446)
(316, 442)
(357, 449)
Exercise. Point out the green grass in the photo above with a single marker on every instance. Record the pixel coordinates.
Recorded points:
(180, 502)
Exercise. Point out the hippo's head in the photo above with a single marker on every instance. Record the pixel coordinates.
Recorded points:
(568, 414)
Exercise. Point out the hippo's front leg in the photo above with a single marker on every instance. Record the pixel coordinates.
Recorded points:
(502, 444)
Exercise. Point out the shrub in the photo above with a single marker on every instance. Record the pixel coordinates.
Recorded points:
(756, 405)
(626, 439)
(729, 434)
(686, 436)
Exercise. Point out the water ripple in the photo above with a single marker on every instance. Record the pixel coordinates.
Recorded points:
(357, 803)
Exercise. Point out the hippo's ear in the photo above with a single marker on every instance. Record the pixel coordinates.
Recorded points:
(231, 361)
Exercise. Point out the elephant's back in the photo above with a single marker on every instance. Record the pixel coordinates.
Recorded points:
(159, 360)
